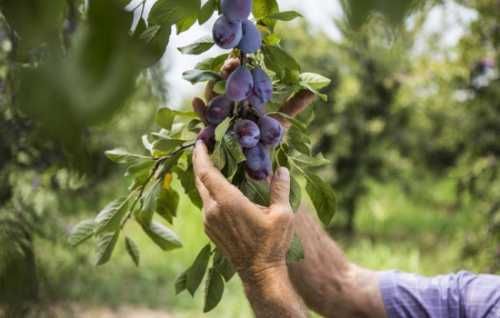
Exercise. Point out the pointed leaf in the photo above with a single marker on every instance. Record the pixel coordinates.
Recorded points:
(197, 271)
(314, 80)
(105, 245)
(109, 219)
(81, 232)
(213, 63)
(207, 10)
(296, 250)
(214, 290)
(124, 157)
(132, 250)
(198, 76)
(200, 46)
(256, 191)
(162, 236)
(295, 194)
(181, 282)
(322, 196)
(284, 16)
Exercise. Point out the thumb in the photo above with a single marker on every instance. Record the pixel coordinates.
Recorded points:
(280, 188)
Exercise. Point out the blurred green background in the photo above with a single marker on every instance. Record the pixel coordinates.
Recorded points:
(412, 127)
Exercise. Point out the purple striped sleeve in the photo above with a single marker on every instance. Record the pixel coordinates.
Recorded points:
(461, 295)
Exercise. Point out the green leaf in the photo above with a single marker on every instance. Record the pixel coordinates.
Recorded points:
(200, 46)
(140, 169)
(295, 194)
(109, 219)
(296, 123)
(187, 181)
(233, 147)
(162, 236)
(221, 129)
(207, 10)
(165, 146)
(167, 204)
(123, 157)
(223, 266)
(305, 161)
(219, 156)
(132, 250)
(233, 154)
(322, 96)
(220, 87)
(81, 232)
(295, 251)
(214, 290)
(272, 39)
(171, 11)
(315, 81)
(149, 202)
(256, 191)
(279, 61)
(165, 117)
(264, 8)
(181, 282)
(299, 140)
(284, 16)
(185, 23)
(152, 40)
(212, 64)
(197, 271)
(322, 196)
(105, 245)
(198, 76)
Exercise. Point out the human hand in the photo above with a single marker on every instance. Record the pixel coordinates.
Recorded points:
(253, 237)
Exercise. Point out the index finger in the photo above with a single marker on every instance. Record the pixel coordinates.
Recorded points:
(213, 180)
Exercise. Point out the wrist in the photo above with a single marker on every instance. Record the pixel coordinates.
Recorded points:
(262, 275)
(362, 292)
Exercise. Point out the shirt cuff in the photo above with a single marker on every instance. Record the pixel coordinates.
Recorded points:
(387, 286)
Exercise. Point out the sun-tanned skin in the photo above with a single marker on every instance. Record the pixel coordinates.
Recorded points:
(256, 240)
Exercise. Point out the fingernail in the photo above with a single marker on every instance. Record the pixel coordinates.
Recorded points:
(198, 143)
(282, 173)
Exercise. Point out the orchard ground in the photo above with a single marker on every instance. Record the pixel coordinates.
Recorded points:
(419, 232)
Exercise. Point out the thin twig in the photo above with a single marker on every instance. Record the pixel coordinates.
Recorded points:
(158, 162)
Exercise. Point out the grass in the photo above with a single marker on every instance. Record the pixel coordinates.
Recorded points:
(418, 232)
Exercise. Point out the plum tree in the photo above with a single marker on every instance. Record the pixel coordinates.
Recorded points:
(218, 109)
(241, 138)
(271, 131)
(262, 90)
(258, 164)
(236, 10)
(251, 39)
(226, 33)
(248, 133)
(239, 84)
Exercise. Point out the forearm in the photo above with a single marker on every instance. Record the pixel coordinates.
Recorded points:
(327, 282)
(271, 294)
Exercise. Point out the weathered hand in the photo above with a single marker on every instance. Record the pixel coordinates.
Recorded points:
(254, 238)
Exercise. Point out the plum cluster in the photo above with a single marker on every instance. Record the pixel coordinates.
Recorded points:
(256, 133)
(233, 29)
(247, 89)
